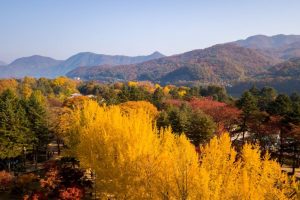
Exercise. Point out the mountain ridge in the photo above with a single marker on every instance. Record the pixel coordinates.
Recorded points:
(42, 66)
(217, 63)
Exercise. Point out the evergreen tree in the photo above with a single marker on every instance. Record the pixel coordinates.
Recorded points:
(201, 128)
(157, 98)
(37, 118)
(14, 131)
(281, 106)
(248, 104)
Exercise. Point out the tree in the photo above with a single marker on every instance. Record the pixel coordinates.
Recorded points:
(248, 104)
(266, 96)
(158, 97)
(218, 93)
(37, 117)
(201, 128)
(128, 106)
(133, 160)
(225, 116)
(11, 84)
(179, 118)
(14, 131)
(281, 106)
(251, 176)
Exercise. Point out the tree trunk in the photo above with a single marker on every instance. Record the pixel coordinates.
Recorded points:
(9, 165)
(35, 156)
(58, 146)
(281, 148)
(294, 158)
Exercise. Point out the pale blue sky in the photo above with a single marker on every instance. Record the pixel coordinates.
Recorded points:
(61, 28)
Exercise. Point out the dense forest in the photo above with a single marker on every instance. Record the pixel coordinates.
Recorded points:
(67, 139)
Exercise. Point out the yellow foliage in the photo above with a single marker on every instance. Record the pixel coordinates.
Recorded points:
(68, 86)
(182, 93)
(157, 86)
(129, 158)
(8, 84)
(134, 160)
(139, 105)
(248, 177)
(132, 83)
(166, 90)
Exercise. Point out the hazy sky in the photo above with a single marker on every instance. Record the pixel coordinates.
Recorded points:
(60, 28)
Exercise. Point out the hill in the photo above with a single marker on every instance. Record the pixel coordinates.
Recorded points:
(280, 46)
(86, 59)
(290, 68)
(40, 66)
(284, 77)
(217, 64)
(28, 66)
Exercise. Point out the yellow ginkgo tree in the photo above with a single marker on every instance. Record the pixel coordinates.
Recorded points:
(134, 160)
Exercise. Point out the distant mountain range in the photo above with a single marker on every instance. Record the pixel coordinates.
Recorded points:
(257, 58)
(279, 46)
(29, 66)
(215, 64)
(40, 66)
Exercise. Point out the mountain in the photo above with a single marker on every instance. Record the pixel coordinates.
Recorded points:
(40, 66)
(290, 68)
(85, 59)
(284, 77)
(279, 46)
(217, 64)
(28, 66)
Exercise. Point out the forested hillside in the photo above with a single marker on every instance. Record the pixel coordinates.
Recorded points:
(217, 64)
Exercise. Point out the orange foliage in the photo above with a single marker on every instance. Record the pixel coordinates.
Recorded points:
(8, 84)
(72, 193)
(51, 180)
(6, 179)
(75, 102)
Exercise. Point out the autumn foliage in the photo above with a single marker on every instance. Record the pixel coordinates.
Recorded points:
(134, 160)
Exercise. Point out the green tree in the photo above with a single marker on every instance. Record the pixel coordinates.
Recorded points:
(14, 131)
(266, 96)
(158, 97)
(179, 118)
(201, 128)
(37, 117)
(281, 106)
(248, 104)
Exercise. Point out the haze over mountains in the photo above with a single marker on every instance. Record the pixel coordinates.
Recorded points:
(255, 58)
(40, 66)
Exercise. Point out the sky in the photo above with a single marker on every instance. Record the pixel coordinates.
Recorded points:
(61, 28)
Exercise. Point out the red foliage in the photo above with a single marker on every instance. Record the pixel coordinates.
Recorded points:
(35, 196)
(51, 181)
(72, 193)
(174, 102)
(6, 180)
(223, 114)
